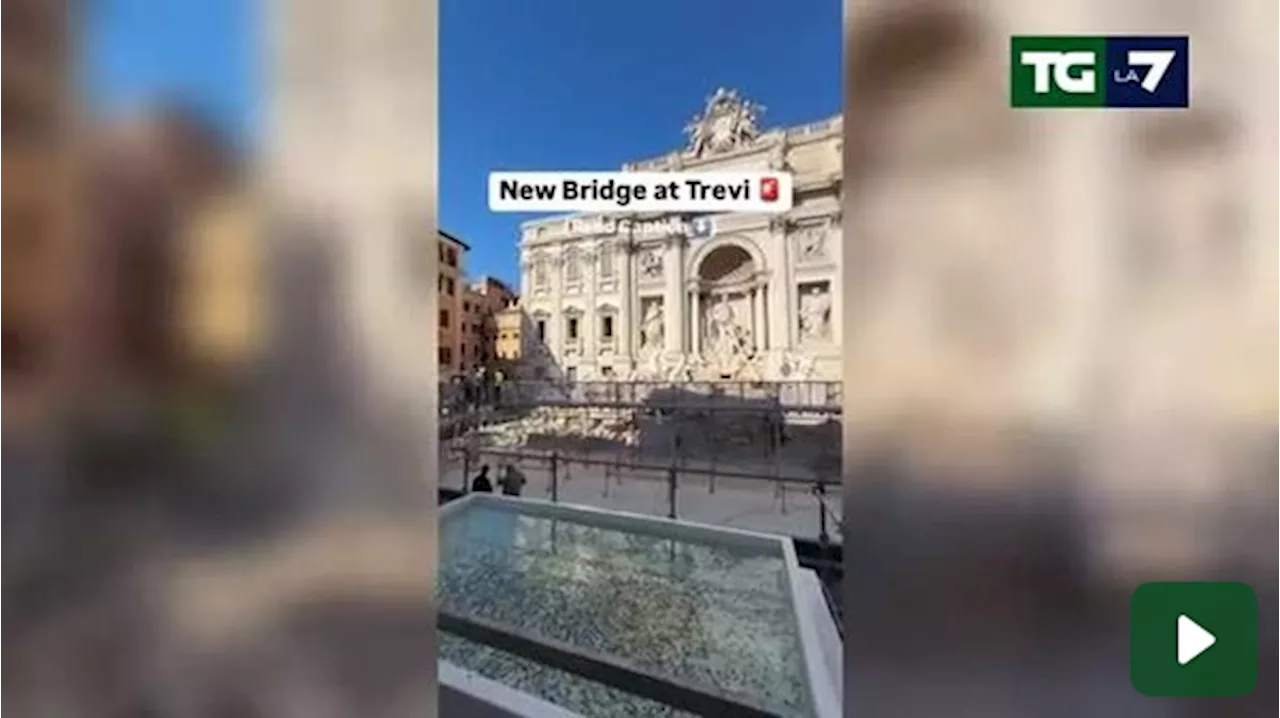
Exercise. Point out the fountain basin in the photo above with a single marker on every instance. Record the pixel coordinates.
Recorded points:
(726, 611)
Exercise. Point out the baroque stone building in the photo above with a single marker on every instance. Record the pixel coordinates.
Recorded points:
(724, 296)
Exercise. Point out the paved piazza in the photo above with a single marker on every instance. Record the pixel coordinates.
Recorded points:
(726, 296)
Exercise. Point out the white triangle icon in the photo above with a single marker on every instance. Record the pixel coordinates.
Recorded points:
(1192, 640)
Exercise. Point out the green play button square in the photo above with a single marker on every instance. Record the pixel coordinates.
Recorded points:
(1193, 639)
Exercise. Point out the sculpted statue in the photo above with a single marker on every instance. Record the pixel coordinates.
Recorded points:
(651, 328)
(680, 371)
(778, 157)
(699, 134)
(815, 314)
(727, 122)
(725, 336)
(717, 318)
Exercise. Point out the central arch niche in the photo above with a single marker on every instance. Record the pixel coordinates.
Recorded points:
(728, 303)
(724, 264)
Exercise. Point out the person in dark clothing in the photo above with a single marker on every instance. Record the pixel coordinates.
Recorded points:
(469, 393)
(481, 481)
(498, 378)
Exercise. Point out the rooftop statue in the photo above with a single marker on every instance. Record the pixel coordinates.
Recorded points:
(727, 122)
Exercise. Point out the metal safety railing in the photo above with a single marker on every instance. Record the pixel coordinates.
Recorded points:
(556, 464)
(823, 397)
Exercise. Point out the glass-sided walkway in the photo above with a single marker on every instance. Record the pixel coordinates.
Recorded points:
(708, 611)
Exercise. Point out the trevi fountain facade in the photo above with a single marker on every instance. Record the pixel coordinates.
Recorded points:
(696, 298)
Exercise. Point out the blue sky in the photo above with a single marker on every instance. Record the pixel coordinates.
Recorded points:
(591, 84)
(524, 84)
(201, 52)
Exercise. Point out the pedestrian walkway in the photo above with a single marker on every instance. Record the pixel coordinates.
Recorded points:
(749, 504)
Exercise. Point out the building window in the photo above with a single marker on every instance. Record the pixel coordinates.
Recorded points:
(572, 329)
(446, 356)
(606, 326)
(444, 318)
(451, 257)
(542, 330)
(466, 306)
(572, 265)
(462, 352)
(449, 286)
(606, 261)
(540, 273)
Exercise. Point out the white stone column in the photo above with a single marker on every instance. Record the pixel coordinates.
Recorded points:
(695, 320)
(779, 308)
(673, 301)
(555, 323)
(591, 317)
(835, 240)
(626, 310)
(758, 324)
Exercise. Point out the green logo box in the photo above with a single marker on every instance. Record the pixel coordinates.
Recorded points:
(1227, 611)
(1022, 74)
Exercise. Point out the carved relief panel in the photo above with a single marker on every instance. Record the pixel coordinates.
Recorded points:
(811, 244)
(650, 266)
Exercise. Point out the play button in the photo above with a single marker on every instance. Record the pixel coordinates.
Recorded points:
(1171, 649)
(1192, 640)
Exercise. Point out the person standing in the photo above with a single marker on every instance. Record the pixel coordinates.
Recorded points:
(478, 380)
(468, 392)
(512, 481)
(498, 378)
(481, 482)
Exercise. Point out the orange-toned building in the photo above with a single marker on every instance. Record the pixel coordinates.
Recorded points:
(487, 298)
(157, 183)
(452, 288)
(41, 252)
